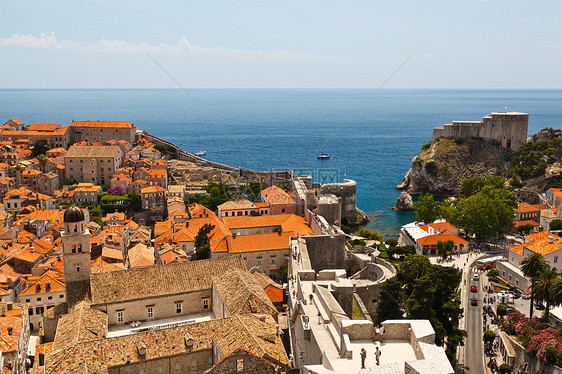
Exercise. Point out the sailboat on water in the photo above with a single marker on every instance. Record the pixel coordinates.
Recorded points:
(323, 156)
(200, 152)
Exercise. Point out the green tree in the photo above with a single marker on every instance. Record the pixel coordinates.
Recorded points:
(282, 273)
(525, 229)
(98, 221)
(505, 369)
(135, 202)
(474, 185)
(40, 147)
(445, 247)
(556, 224)
(390, 304)
(531, 266)
(427, 209)
(202, 244)
(501, 310)
(42, 158)
(544, 287)
(487, 214)
(489, 336)
(493, 273)
(412, 268)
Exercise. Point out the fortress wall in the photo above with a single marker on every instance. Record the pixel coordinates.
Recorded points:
(346, 191)
(509, 128)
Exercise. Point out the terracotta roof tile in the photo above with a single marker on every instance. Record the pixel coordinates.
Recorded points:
(154, 281)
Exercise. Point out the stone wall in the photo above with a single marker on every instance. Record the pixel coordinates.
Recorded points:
(326, 252)
(243, 362)
(510, 129)
(192, 362)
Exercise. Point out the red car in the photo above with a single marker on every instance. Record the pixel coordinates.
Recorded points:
(473, 289)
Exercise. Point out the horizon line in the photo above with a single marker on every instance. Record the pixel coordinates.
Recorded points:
(279, 88)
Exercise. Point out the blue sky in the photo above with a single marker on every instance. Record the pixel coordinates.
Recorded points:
(286, 44)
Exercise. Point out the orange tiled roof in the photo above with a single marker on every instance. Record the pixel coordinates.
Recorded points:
(444, 236)
(557, 192)
(262, 205)
(442, 226)
(275, 195)
(15, 120)
(288, 222)
(157, 172)
(152, 189)
(521, 223)
(259, 242)
(120, 124)
(43, 127)
(46, 279)
(539, 243)
(526, 208)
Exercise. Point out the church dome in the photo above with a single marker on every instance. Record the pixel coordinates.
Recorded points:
(73, 214)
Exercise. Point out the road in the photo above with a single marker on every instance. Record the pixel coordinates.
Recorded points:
(473, 349)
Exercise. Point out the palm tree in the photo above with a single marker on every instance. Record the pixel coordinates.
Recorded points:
(544, 287)
(531, 266)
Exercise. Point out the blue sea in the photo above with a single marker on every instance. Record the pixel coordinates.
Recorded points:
(370, 140)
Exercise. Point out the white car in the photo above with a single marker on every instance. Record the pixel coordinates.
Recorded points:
(476, 277)
(526, 295)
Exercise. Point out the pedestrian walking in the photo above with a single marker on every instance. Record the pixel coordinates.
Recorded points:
(381, 333)
(363, 357)
(378, 355)
(319, 318)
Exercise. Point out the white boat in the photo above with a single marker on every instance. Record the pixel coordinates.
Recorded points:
(323, 156)
(200, 152)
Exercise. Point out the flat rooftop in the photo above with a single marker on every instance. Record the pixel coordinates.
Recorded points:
(394, 353)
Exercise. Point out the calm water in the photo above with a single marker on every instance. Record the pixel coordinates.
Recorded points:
(267, 129)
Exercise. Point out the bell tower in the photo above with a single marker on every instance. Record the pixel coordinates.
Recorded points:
(76, 250)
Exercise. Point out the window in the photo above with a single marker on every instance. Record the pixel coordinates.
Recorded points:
(283, 210)
(78, 268)
(205, 303)
(27, 300)
(177, 367)
(193, 363)
(159, 369)
(178, 308)
(556, 259)
(61, 296)
(38, 299)
(259, 260)
(273, 260)
(119, 316)
(150, 312)
(30, 311)
(50, 298)
(39, 310)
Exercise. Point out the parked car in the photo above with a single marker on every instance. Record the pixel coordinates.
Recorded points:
(473, 289)
(511, 310)
(526, 295)
(476, 277)
(539, 306)
(474, 301)
(516, 294)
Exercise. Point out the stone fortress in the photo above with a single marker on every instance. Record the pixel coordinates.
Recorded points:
(508, 128)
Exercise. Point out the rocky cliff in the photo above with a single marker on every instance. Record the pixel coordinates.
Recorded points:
(444, 163)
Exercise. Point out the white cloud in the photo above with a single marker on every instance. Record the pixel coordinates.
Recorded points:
(50, 41)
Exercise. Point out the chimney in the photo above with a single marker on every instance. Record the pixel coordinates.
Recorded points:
(550, 239)
(10, 330)
(3, 312)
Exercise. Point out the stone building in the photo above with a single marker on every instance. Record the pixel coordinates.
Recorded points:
(55, 135)
(47, 183)
(177, 290)
(102, 131)
(42, 293)
(235, 208)
(154, 202)
(508, 128)
(95, 164)
(280, 202)
(14, 334)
